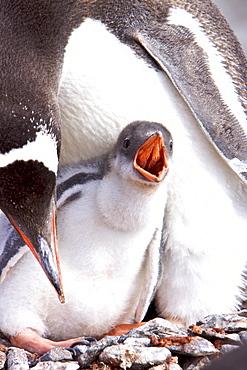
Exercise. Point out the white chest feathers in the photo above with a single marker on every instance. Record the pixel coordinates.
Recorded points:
(105, 239)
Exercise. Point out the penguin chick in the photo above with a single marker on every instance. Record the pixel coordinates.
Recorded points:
(110, 217)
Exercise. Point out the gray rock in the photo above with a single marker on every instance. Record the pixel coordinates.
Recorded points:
(173, 367)
(126, 356)
(57, 354)
(153, 328)
(138, 341)
(104, 342)
(166, 366)
(101, 366)
(243, 313)
(51, 365)
(243, 336)
(80, 349)
(198, 364)
(17, 359)
(189, 346)
(90, 354)
(3, 358)
(170, 364)
(214, 334)
(233, 339)
(97, 346)
(225, 348)
(229, 322)
(86, 359)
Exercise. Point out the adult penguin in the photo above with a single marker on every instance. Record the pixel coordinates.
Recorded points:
(179, 63)
(29, 133)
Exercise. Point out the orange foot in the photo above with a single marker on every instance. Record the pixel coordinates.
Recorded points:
(31, 341)
(124, 328)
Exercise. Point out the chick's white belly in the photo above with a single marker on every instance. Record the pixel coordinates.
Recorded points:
(102, 275)
(100, 293)
(93, 306)
(102, 269)
(94, 303)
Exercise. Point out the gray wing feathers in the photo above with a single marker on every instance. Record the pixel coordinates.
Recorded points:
(186, 63)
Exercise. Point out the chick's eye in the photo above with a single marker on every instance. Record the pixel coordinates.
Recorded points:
(126, 143)
(171, 145)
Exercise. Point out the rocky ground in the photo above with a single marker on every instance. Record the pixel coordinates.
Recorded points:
(157, 345)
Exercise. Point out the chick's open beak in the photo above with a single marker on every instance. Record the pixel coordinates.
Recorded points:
(150, 159)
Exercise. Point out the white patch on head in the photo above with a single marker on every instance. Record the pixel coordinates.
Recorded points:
(42, 149)
(216, 62)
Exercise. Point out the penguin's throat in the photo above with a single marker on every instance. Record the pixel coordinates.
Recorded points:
(150, 159)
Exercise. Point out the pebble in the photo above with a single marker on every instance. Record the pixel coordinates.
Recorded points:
(3, 359)
(197, 364)
(225, 348)
(126, 356)
(243, 336)
(89, 354)
(138, 341)
(17, 359)
(170, 365)
(153, 328)
(229, 323)
(243, 313)
(157, 345)
(57, 354)
(51, 365)
(189, 346)
(215, 333)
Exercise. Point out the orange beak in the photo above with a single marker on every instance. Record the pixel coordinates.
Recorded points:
(150, 159)
(46, 254)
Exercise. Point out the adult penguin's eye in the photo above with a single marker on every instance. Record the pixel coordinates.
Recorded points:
(126, 143)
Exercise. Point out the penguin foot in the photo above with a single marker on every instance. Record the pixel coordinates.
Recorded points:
(123, 329)
(31, 341)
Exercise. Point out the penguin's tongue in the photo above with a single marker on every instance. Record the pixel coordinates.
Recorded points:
(150, 159)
